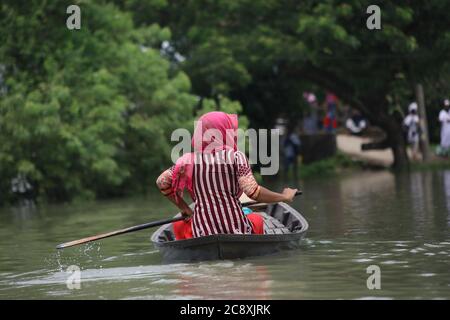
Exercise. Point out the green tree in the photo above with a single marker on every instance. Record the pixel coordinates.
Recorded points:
(85, 112)
(263, 52)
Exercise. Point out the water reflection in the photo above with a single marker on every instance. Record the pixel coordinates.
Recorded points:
(25, 210)
(421, 184)
(226, 281)
(364, 195)
(446, 175)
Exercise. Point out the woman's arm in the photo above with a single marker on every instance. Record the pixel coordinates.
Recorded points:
(164, 183)
(182, 205)
(265, 195)
(248, 184)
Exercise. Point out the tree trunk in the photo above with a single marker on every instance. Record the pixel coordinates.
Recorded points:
(424, 141)
(396, 141)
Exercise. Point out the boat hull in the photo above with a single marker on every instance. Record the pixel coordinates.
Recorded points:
(235, 246)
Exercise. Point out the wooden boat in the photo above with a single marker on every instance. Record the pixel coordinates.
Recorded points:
(284, 228)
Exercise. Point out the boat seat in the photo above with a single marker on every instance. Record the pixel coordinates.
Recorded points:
(272, 225)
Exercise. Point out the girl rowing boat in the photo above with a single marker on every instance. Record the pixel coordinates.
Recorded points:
(216, 174)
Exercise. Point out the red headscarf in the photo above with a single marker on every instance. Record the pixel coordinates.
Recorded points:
(214, 131)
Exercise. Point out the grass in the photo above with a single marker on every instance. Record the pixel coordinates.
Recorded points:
(440, 164)
(341, 163)
(329, 166)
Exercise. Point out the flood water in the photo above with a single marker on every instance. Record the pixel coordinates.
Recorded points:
(401, 223)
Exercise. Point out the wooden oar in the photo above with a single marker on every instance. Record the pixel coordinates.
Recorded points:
(117, 232)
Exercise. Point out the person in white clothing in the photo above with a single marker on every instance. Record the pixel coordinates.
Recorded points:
(444, 118)
(412, 127)
(356, 124)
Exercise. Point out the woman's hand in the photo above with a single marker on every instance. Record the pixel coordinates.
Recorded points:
(289, 194)
(187, 213)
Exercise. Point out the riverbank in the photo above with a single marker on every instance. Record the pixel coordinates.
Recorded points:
(342, 163)
(337, 164)
(351, 146)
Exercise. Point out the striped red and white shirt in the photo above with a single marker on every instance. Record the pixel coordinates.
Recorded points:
(217, 185)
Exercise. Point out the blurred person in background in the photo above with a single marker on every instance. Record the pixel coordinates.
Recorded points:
(310, 121)
(356, 124)
(330, 122)
(444, 118)
(412, 127)
(291, 150)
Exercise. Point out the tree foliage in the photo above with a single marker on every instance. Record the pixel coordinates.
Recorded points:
(85, 112)
(275, 49)
(89, 112)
